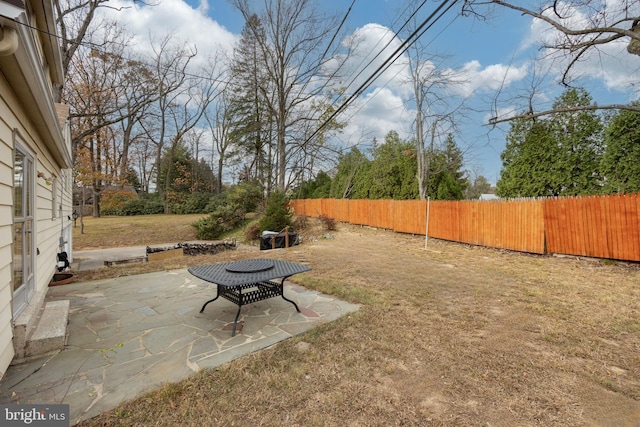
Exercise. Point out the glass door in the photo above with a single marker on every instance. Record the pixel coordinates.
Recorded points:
(23, 236)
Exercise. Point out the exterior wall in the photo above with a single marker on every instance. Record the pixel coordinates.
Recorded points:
(51, 210)
(6, 222)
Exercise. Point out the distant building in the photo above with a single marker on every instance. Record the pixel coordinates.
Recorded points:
(488, 196)
(35, 172)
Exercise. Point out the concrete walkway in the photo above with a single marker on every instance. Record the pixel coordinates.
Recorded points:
(130, 335)
(94, 259)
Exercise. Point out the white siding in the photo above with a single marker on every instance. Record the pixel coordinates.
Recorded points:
(6, 332)
(48, 230)
(6, 221)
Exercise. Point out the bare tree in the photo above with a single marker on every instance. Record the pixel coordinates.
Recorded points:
(92, 91)
(220, 127)
(170, 68)
(140, 90)
(583, 28)
(183, 98)
(77, 23)
(295, 40)
(438, 111)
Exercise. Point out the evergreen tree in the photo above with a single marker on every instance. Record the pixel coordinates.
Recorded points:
(579, 138)
(557, 156)
(529, 161)
(621, 159)
(449, 182)
(350, 167)
(317, 188)
(251, 122)
(393, 170)
(276, 215)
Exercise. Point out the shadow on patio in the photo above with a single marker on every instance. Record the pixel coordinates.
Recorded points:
(131, 334)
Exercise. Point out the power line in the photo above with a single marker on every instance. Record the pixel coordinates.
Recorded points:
(344, 19)
(385, 46)
(399, 71)
(388, 62)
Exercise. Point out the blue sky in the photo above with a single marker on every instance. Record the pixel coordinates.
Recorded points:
(493, 54)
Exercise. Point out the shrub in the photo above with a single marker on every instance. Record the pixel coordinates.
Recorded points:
(247, 196)
(276, 216)
(222, 220)
(152, 207)
(195, 203)
(328, 223)
(133, 207)
(215, 202)
(112, 200)
(208, 228)
(300, 222)
(252, 232)
(141, 207)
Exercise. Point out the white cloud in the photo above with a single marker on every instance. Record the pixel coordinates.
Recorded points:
(368, 48)
(175, 18)
(376, 114)
(473, 78)
(204, 7)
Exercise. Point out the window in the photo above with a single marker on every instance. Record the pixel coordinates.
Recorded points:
(23, 228)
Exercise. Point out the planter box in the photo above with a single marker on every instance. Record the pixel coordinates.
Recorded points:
(61, 279)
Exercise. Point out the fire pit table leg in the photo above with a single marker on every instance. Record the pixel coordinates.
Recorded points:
(235, 322)
(211, 300)
(285, 298)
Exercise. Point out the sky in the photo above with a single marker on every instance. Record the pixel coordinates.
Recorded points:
(495, 55)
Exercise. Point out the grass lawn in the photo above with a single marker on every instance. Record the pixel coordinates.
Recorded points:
(452, 335)
(114, 231)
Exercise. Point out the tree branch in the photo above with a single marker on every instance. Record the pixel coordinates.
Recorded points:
(530, 115)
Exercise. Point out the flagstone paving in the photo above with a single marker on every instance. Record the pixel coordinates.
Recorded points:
(131, 334)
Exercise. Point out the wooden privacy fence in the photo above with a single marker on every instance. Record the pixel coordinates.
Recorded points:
(595, 226)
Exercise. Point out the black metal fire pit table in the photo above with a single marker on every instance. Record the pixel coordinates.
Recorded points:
(246, 282)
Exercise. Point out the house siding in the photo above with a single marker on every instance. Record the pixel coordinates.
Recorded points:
(6, 333)
(6, 221)
(48, 228)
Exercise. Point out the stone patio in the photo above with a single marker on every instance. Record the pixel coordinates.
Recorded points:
(130, 335)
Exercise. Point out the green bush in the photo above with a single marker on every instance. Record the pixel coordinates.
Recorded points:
(247, 196)
(276, 215)
(134, 207)
(142, 207)
(191, 204)
(215, 202)
(222, 220)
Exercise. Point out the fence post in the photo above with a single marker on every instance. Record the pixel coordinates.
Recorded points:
(426, 231)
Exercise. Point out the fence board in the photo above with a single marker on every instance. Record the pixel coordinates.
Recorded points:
(613, 218)
(341, 211)
(380, 214)
(358, 211)
(633, 234)
(599, 247)
(410, 216)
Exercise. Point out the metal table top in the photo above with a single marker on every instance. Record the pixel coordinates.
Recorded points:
(248, 271)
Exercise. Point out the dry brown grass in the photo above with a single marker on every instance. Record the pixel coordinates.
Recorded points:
(453, 335)
(113, 232)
